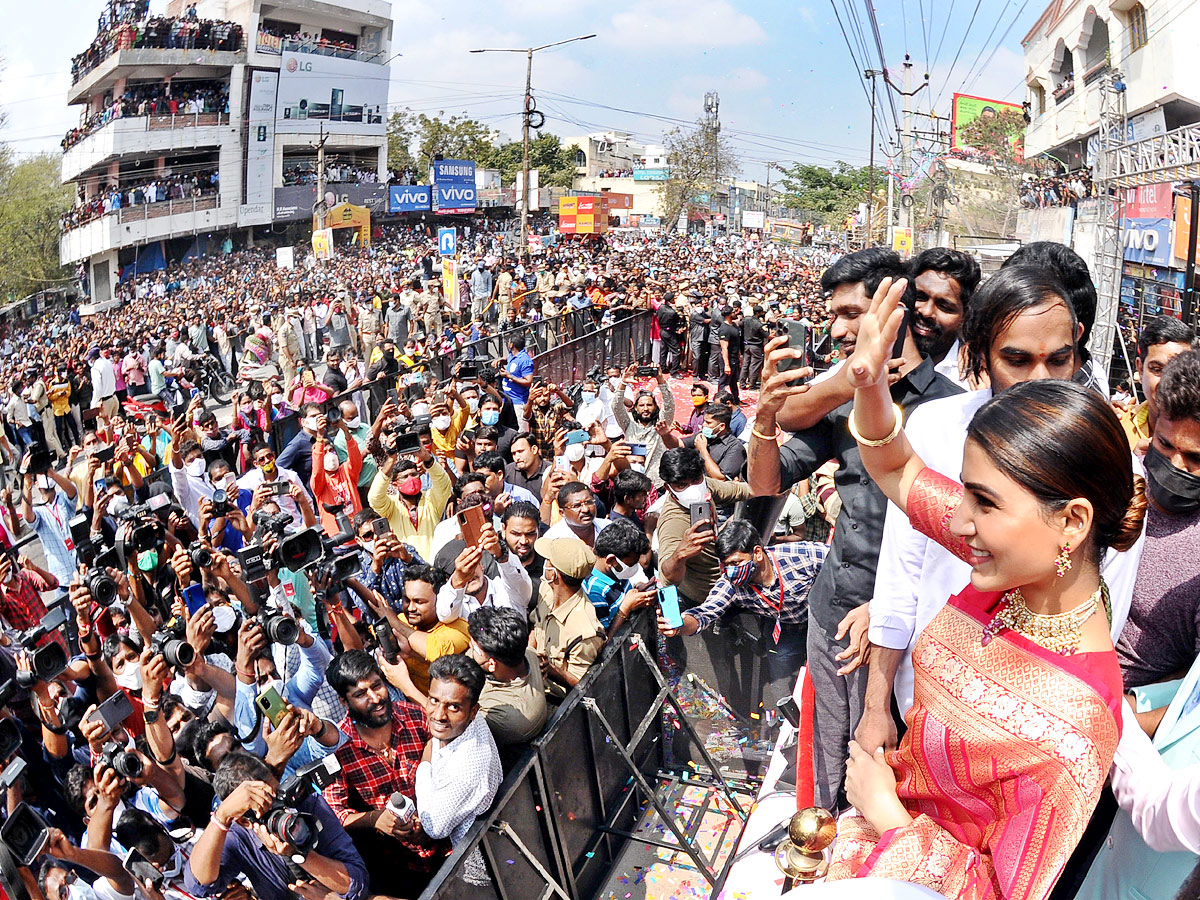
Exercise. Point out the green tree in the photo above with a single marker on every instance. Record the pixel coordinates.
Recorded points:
(999, 143)
(32, 198)
(554, 162)
(828, 194)
(401, 130)
(456, 137)
(700, 160)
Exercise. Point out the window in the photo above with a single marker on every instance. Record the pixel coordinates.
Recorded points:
(1138, 34)
(1037, 96)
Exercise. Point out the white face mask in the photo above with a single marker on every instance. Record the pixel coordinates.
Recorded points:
(638, 467)
(81, 890)
(587, 396)
(175, 867)
(441, 423)
(130, 677)
(352, 424)
(473, 403)
(309, 422)
(622, 572)
(575, 452)
(695, 493)
(331, 461)
(614, 380)
(420, 409)
(45, 482)
(369, 547)
(224, 618)
(276, 399)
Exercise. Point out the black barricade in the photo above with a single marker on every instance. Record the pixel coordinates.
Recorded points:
(568, 791)
(620, 344)
(540, 336)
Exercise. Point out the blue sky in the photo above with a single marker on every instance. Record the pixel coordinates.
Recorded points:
(789, 90)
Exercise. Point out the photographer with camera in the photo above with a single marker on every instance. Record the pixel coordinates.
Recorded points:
(59, 879)
(50, 518)
(275, 847)
(268, 471)
(156, 861)
(383, 557)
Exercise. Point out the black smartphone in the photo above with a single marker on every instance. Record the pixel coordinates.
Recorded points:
(103, 454)
(701, 512)
(142, 869)
(797, 340)
(113, 711)
(278, 488)
(898, 347)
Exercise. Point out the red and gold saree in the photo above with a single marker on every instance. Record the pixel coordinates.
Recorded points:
(1007, 748)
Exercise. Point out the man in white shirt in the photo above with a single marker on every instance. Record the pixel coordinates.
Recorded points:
(1019, 328)
(104, 381)
(577, 504)
(468, 588)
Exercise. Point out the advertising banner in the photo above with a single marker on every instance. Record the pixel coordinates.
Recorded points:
(752, 218)
(322, 243)
(1183, 228)
(966, 109)
(343, 96)
(619, 201)
(1147, 240)
(582, 215)
(450, 282)
(408, 198)
(453, 186)
(296, 201)
(650, 174)
(260, 143)
(902, 240)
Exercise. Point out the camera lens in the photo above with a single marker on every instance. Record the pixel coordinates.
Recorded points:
(49, 661)
(200, 555)
(281, 629)
(127, 765)
(179, 653)
(101, 586)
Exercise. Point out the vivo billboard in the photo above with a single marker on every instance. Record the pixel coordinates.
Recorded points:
(408, 198)
(453, 186)
(343, 96)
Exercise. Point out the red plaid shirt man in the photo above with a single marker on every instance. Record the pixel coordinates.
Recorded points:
(369, 778)
(21, 601)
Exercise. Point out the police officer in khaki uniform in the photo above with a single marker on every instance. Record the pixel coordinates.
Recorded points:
(567, 635)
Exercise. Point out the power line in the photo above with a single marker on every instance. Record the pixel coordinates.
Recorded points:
(925, 29)
(937, 54)
(999, 43)
(983, 47)
(962, 43)
(882, 60)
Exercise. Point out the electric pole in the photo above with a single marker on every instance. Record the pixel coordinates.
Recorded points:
(906, 134)
(871, 73)
(321, 206)
(529, 111)
(712, 130)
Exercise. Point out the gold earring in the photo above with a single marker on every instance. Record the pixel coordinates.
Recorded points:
(1063, 560)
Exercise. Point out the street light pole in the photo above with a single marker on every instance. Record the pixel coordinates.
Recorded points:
(871, 73)
(525, 113)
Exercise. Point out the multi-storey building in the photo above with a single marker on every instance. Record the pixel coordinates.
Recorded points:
(200, 126)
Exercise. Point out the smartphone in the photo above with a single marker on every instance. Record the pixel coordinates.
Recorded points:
(408, 442)
(701, 512)
(380, 527)
(578, 436)
(392, 396)
(647, 371)
(25, 833)
(113, 711)
(797, 340)
(637, 450)
(789, 710)
(668, 601)
(898, 347)
(193, 598)
(272, 706)
(471, 521)
(278, 488)
(142, 869)
(102, 454)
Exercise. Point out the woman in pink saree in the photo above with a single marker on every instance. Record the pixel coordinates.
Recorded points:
(1016, 711)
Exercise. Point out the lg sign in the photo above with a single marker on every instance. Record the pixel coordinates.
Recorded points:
(294, 65)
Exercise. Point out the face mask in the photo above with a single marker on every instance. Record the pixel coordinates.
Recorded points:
(473, 404)
(426, 482)
(699, 401)
(147, 560)
(638, 467)
(224, 618)
(410, 486)
(1173, 489)
(575, 452)
(740, 574)
(614, 380)
(369, 547)
(309, 422)
(196, 467)
(622, 572)
(131, 677)
(118, 505)
(489, 417)
(45, 482)
(353, 424)
(80, 890)
(276, 399)
(268, 469)
(330, 462)
(587, 396)
(441, 423)
(695, 493)
(420, 409)
(709, 433)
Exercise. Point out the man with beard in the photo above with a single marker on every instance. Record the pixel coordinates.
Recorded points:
(941, 282)
(384, 742)
(423, 638)
(521, 524)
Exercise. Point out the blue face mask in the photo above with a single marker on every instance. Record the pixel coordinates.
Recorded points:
(489, 416)
(740, 574)
(708, 433)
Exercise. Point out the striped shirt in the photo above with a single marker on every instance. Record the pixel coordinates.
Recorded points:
(797, 565)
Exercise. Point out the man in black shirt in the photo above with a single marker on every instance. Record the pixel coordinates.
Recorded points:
(753, 334)
(333, 377)
(671, 330)
(698, 324)
(731, 352)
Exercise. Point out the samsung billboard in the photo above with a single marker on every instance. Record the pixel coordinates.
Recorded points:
(342, 96)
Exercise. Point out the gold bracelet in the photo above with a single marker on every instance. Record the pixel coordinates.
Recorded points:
(767, 437)
(882, 442)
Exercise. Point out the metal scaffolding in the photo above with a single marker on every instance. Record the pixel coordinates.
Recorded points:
(1110, 258)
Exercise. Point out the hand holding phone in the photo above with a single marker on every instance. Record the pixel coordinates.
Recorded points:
(272, 705)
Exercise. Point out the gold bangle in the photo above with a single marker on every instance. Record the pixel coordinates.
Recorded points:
(767, 437)
(882, 442)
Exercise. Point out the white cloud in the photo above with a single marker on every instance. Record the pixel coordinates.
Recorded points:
(667, 25)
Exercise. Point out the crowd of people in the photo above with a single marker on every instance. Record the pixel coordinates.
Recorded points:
(134, 28)
(165, 98)
(1057, 190)
(335, 173)
(306, 636)
(176, 186)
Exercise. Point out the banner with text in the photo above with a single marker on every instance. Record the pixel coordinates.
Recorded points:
(260, 144)
(453, 186)
(342, 96)
(408, 198)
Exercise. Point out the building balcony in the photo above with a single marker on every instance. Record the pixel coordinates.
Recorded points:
(145, 135)
(145, 222)
(152, 62)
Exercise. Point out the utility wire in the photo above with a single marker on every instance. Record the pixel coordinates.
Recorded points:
(961, 44)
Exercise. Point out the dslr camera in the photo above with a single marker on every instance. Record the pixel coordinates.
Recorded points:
(127, 765)
(278, 627)
(48, 661)
(171, 642)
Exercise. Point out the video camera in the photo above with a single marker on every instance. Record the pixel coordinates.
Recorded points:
(140, 530)
(45, 662)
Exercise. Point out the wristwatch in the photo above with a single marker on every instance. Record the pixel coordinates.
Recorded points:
(151, 714)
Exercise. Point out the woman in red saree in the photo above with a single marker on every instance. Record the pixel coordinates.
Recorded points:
(1016, 711)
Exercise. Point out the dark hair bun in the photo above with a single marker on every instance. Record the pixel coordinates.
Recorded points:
(1130, 528)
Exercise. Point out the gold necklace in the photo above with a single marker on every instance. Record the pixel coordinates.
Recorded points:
(1059, 632)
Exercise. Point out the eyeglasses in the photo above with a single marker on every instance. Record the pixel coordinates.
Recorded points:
(581, 504)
